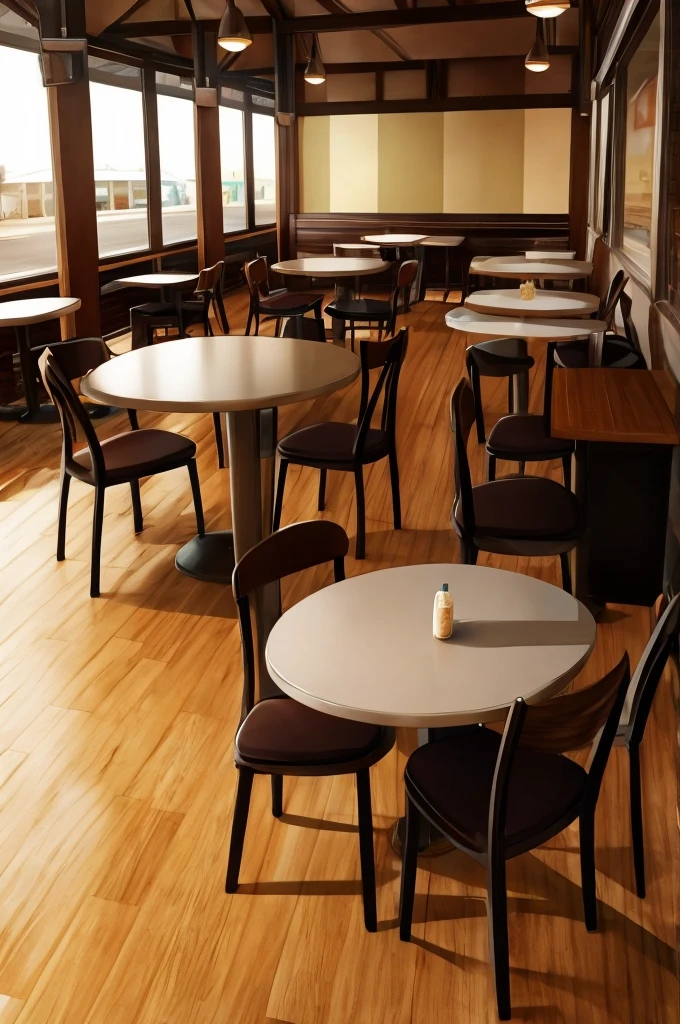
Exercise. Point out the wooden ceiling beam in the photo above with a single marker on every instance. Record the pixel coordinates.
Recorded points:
(395, 18)
(525, 101)
(336, 7)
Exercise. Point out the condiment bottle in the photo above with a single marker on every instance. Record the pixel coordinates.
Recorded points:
(442, 615)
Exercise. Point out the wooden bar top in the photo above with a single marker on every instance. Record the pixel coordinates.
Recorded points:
(624, 406)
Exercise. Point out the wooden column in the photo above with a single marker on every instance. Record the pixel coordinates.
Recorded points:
(74, 195)
(579, 172)
(249, 164)
(286, 141)
(208, 163)
(153, 159)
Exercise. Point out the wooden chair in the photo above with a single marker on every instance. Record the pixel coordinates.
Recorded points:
(122, 459)
(504, 357)
(631, 730)
(519, 791)
(381, 313)
(516, 515)
(348, 448)
(278, 304)
(207, 296)
(278, 736)
(616, 351)
(524, 437)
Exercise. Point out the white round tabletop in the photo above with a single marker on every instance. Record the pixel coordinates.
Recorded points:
(520, 268)
(20, 312)
(330, 266)
(157, 280)
(470, 322)
(508, 302)
(221, 374)
(448, 241)
(550, 254)
(363, 649)
(394, 238)
(356, 246)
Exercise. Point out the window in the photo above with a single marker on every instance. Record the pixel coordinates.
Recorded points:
(28, 243)
(119, 156)
(178, 162)
(264, 168)
(234, 210)
(642, 77)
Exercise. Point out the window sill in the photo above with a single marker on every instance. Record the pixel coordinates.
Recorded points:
(640, 275)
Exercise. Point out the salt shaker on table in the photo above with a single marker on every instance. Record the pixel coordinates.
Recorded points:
(442, 615)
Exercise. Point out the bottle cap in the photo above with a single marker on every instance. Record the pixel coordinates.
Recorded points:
(445, 587)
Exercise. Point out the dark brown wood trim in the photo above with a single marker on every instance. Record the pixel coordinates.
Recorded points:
(153, 159)
(379, 86)
(180, 27)
(526, 101)
(209, 213)
(249, 169)
(286, 139)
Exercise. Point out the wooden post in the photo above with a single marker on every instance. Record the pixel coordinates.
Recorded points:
(208, 163)
(153, 159)
(579, 171)
(249, 165)
(286, 140)
(74, 195)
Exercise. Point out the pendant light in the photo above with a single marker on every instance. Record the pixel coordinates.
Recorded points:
(233, 34)
(314, 72)
(547, 8)
(538, 58)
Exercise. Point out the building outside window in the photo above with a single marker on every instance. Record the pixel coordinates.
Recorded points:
(234, 207)
(264, 168)
(178, 162)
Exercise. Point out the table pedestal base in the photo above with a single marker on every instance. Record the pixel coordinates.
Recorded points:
(209, 558)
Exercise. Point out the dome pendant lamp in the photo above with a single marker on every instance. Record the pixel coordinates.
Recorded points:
(315, 73)
(538, 58)
(547, 8)
(233, 34)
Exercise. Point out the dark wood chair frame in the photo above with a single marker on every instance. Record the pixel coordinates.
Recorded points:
(389, 355)
(257, 279)
(75, 359)
(564, 723)
(385, 313)
(184, 312)
(487, 359)
(291, 550)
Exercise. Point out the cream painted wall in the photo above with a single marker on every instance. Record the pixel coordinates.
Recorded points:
(315, 179)
(410, 163)
(547, 142)
(354, 163)
(483, 161)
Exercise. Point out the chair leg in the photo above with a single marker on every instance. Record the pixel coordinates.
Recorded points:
(636, 820)
(396, 493)
(522, 467)
(280, 487)
(477, 395)
(277, 328)
(238, 827)
(366, 850)
(470, 553)
(498, 935)
(219, 441)
(511, 396)
(321, 504)
(137, 516)
(566, 470)
(277, 795)
(249, 322)
(409, 866)
(351, 334)
(566, 571)
(361, 513)
(490, 467)
(63, 506)
(196, 493)
(97, 524)
(587, 846)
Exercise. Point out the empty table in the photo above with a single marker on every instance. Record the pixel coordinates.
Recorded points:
(20, 314)
(447, 242)
(508, 302)
(168, 283)
(522, 269)
(532, 329)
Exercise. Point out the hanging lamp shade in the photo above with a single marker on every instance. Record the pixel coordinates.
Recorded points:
(547, 8)
(233, 34)
(315, 72)
(538, 58)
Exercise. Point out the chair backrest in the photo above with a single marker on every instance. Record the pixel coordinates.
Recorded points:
(571, 721)
(257, 277)
(58, 370)
(647, 675)
(548, 385)
(209, 288)
(292, 549)
(462, 418)
(406, 275)
(626, 307)
(210, 278)
(490, 362)
(75, 356)
(611, 300)
(389, 355)
(306, 327)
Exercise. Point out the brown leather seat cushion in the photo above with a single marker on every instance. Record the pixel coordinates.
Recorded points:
(289, 301)
(455, 776)
(140, 453)
(360, 309)
(285, 731)
(330, 442)
(528, 507)
(525, 433)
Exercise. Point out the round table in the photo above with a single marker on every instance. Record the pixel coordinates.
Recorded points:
(397, 240)
(20, 314)
(522, 269)
(447, 242)
(507, 302)
(467, 321)
(239, 376)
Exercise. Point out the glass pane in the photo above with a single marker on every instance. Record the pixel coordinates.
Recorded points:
(119, 157)
(641, 88)
(234, 213)
(264, 168)
(178, 163)
(28, 243)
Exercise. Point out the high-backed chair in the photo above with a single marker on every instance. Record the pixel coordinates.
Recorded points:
(279, 736)
(616, 351)
(498, 797)
(516, 515)
(503, 357)
(122, 459)
(379, 313)
(348, 448)
(631, 730)
(526, 437)
(266, 304)
(184, 312)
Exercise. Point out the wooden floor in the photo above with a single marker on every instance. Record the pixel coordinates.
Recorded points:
(117, 779)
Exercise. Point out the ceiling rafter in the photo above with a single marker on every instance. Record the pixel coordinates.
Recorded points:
(132, 9)
(337, 7)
